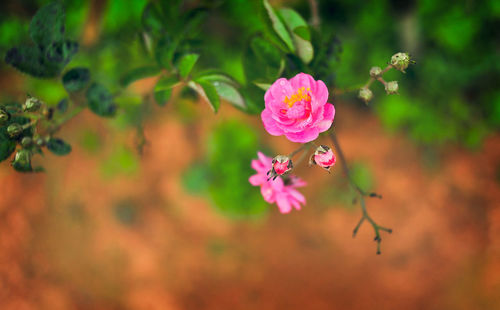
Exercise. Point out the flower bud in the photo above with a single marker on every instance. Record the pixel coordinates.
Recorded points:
(323, 157)
(375, 72)
(14, 130)
(22, 161)
(4, 116)
(391, 87)
(26, 141)
(400, 61)
(365, 94)
(281, 164)
(40, 142)
(32, 104)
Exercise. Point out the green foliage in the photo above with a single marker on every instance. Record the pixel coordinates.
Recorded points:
(163, 89)
(76, 79)
(224, 176)
(139, 73)
(100, 100)
(47, 26)
(58, 146)
(186, 64)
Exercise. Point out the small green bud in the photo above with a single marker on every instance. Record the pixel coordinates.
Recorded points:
(391, 87)
(32, 104)
(22, 161)
(40, 141)
(365, 94)
(4, 116)
(14, 130)
(26, 141)
(375, 72)
(400, 61)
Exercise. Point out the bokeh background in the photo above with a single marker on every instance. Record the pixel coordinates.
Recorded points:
(180, 227)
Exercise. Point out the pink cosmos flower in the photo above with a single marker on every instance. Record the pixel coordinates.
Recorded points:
(297, 108)
(280, 190)
(323, 157)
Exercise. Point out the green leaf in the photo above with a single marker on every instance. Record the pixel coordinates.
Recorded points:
(100, 100)
(208, 92)
(295, 23)
(47, 26)
(152, 19)
(76, 79)
(262, 60)
(162, 96)
(139, 73)
(58, 146)
(303, 32)
(164, 51)
(7, 147)
(278, 26)
(30, 60)
(186, 64)
(226, 88)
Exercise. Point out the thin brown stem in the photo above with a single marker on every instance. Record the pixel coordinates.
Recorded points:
(362, 194)
(315, 20)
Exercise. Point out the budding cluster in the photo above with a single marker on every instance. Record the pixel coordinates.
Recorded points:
(400, 61)
(391, 87)
(365, 94)
(32, 104)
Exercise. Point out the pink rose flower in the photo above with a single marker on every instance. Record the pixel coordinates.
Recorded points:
(297, 108)
(323, 157)
(280, 190)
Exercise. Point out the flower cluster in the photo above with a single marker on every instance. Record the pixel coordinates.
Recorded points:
(298, 109)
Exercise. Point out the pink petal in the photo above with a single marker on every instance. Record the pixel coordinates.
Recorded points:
(266, 161)
(297, 195)
(268, 193)
(257, 179)
(303, 80)
(259, 166)
(321, 94)
(283, 204)
(296, 204)
(270, 124)
(308, 135)
(328, 116)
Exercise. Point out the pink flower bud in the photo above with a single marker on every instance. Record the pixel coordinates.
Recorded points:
(281, 164)
(323, 157)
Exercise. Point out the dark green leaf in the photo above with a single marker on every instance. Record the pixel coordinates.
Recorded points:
(7, 147)
(164, 51)
(62, 105)
(30, 60)
(47, 26)
(100, 100)
(278, 26)
(58, 146)
(162, 96)
(61, 52)
(139, 73)
(152, 18)
(208, 92)
(76, 79)
(186, 64)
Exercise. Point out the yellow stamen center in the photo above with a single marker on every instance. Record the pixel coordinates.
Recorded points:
(301, 94)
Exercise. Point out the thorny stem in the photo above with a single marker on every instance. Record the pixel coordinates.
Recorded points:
(362, 194)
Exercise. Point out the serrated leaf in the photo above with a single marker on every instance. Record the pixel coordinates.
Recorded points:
(208, 92)
(279, 26)
(186, 64)
(76, 79)
(294, 22)
(138, 74)
(100, 100)
(58, 146)
(30, 60)
(47, 26)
